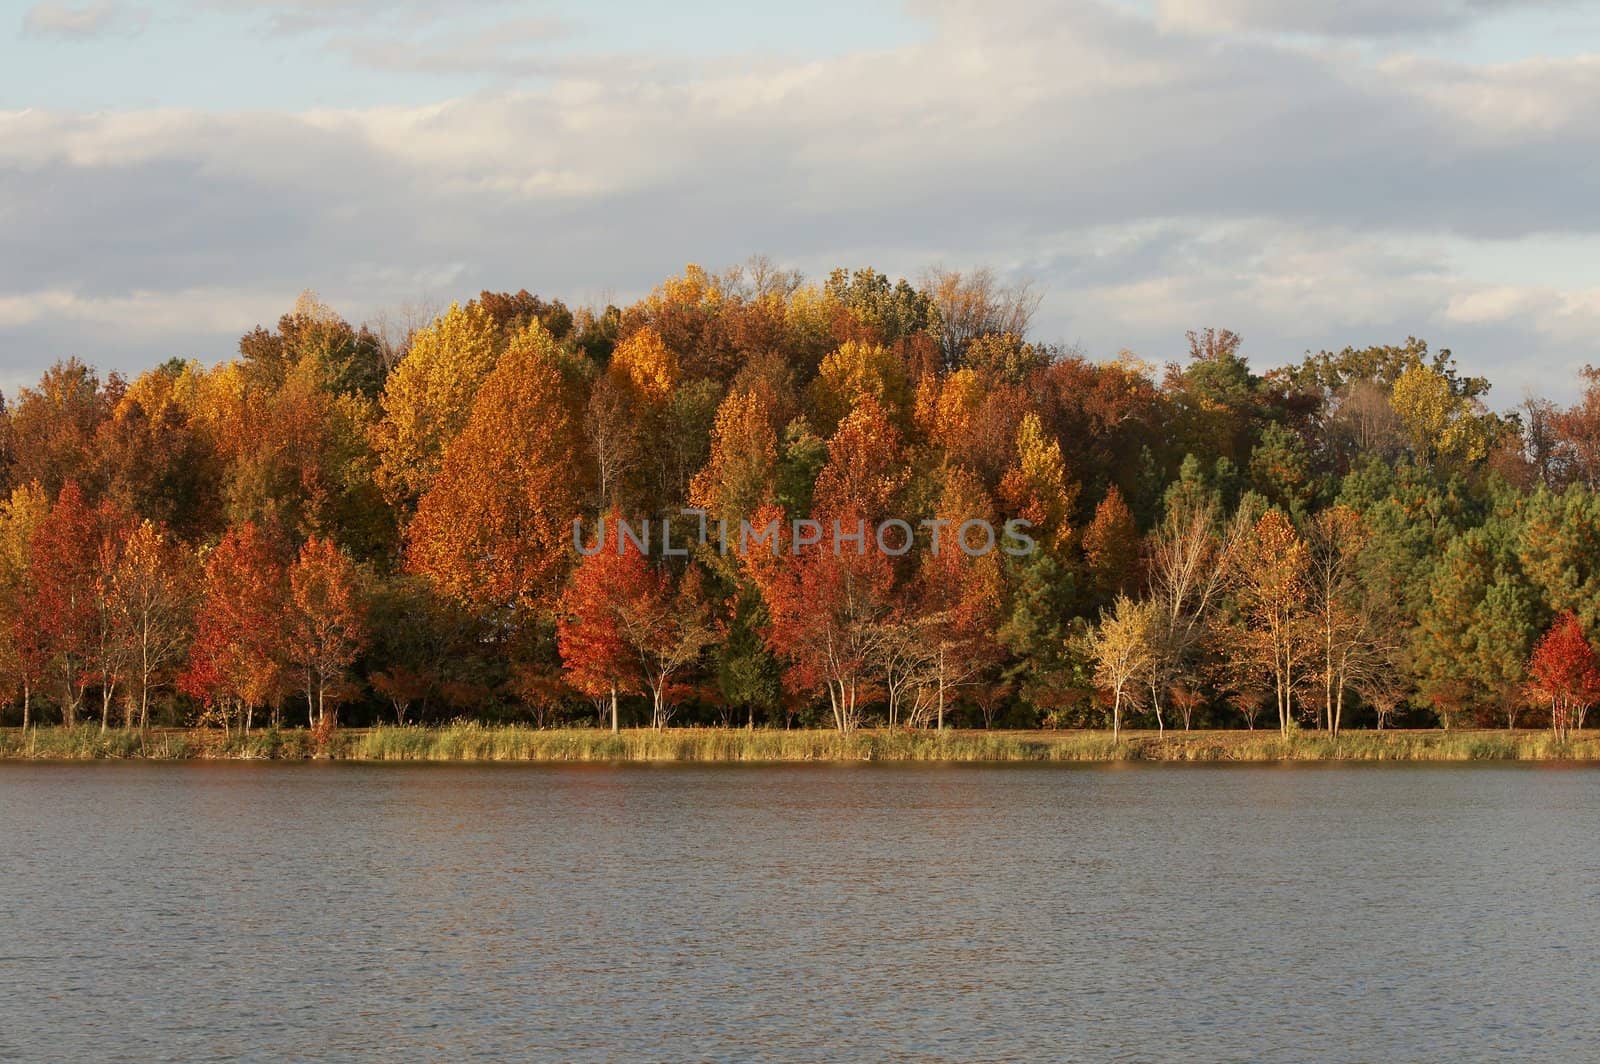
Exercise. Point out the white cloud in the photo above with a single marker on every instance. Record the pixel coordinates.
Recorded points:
(1334, 18)
(61, 18)
(1303, 196)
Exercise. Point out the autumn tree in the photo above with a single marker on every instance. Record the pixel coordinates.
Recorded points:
(976, 304)
(1273, 593)
(1037, 489)
(958, 596)
(1123, 646)
(495, 528)
(236, 664)
(152, 596)
(1192, 556)
(1353, 635)
(1563, 671)
(1443, 421)
(326, 624)
(858, 371)
(667, 628)
(20, 656)
(53, 425)
(598, 659)
(865, 472)
(829, 612)
(626, 625)
(1111, 547)
(62, 603)
(157, 458)
(1577, 432)
(427, 399)
(347, 360)
(741, 473)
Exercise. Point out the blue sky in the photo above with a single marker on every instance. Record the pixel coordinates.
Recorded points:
(1308, 174)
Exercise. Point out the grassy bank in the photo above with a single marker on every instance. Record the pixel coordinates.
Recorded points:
(474, 742)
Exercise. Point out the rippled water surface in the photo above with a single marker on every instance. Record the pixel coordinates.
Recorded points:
(280, 912)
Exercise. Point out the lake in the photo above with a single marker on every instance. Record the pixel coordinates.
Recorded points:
(964, 912)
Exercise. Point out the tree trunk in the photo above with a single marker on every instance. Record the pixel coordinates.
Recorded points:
(615, 727)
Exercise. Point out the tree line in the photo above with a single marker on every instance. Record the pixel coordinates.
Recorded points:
(361, 523)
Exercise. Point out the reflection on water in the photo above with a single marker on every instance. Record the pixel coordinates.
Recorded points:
(798, 912)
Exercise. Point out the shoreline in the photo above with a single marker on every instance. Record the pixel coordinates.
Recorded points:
(476, 742)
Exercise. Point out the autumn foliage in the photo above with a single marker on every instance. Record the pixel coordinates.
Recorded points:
(1564, 673)
(342, 523)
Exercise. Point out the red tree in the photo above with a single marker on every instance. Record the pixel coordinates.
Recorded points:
(598, 659)
(235, 664)
(831, 614)
(628, 625)
(60, 604)
(958, 597)
(1563, 670)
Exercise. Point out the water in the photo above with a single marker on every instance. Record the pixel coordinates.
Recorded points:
(281, 912)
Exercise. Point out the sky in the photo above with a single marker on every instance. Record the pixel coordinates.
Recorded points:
(1310, 175)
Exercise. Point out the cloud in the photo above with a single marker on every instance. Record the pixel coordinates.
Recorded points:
(103, 18)
(1304, 196)
(1337, 18)
(314, 16)
(511, 47)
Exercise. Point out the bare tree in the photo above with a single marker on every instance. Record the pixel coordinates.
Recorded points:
(613, 433)
(757, 277)
(1190, 562)
(908, 661)
(395, 326)
(1365, 422)
(975, 304)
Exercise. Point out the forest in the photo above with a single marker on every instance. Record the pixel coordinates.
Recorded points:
(353, 524)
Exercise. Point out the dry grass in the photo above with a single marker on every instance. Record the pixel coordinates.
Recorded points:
(476, 742)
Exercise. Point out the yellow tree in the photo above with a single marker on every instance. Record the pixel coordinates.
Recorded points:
(1274, 592)
(23, 512)
(1037, 489)
(1124, 646)
(628, 420)
(858, 370)
(152, 592)
(866, 468)
(948, 410)
(428, 397)
(495, 529)
(645, 362)
(684, 312)
(740, 474)
(1443, 423)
